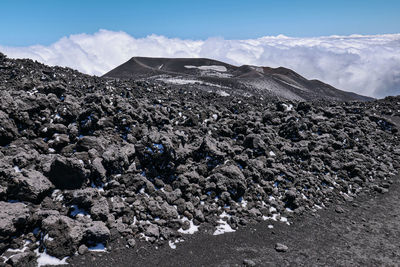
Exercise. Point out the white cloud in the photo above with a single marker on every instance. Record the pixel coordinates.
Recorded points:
(368, 65)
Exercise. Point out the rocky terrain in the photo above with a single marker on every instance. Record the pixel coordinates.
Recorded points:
(85, 160)
(224, 79)
(361, 232)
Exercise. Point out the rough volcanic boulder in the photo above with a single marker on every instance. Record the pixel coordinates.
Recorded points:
(163, 211)
(8, 129)
(100, 209)
(229, 178)
(22, 259)
(97, 232)
(116, 159)
(98, 168)
(13, 217)
(255, 142)
(56, 88)
(30, 185)
(90, 142)
(82, 197)
(210, 147)
(68, 173)
(64, 234)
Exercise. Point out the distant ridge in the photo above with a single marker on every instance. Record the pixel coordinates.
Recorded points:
(209, 74)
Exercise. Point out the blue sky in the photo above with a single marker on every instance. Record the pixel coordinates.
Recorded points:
(43, 22)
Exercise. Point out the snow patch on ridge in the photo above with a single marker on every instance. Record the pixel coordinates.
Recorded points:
(223, 93)
(210, 67)
(182, 81)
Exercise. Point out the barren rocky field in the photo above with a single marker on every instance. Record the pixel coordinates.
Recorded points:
(363, 232)
(101, 171)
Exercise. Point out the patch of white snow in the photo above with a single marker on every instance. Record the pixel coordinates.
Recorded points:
(223, 226)
(210, 67)
(172, 244)
(46, 259)
(288, 107)
(223, 93)
(192, 229)
(17, 169)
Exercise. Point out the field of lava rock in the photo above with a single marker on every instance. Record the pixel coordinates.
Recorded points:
(83, 158)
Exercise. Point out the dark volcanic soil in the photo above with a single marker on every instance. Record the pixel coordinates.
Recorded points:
(364, 232)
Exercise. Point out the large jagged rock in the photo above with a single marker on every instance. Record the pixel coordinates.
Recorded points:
(100, 209)
(210, 148)
(229, 179)
(13, 218)
(90, 142)
(64, 234)
(99, 169)
(8, 129)
(30, 185)
(97, 232)
(22, 259)
(115, 160)
(82, 197)
(68, 173)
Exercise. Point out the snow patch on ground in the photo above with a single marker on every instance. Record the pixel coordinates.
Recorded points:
(17, 169)
(275, 216)
(223, 93)
(9, 253)
(284, 219)
(192, 229)
(223, 226)
(46, 259)
(172, 244)
(288, 107)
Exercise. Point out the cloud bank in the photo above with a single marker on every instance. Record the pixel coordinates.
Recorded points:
(365, 64)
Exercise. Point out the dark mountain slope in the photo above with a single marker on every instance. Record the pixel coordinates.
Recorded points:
(208, 74)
